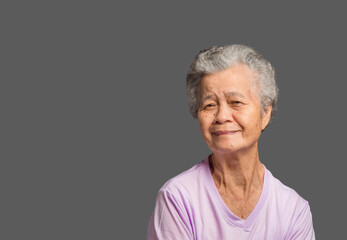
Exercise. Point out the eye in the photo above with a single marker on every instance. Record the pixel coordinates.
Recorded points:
(236, 103)
(209, 106)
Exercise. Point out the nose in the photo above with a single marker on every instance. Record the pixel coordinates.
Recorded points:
(223, 114)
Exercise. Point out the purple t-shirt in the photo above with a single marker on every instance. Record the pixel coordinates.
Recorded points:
(189, 207)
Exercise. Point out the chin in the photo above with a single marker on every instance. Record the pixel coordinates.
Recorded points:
(224, 148)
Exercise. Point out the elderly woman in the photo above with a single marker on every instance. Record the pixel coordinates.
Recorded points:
(230, 195)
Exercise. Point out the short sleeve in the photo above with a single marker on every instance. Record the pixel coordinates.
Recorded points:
(303, 226)
(169, 220)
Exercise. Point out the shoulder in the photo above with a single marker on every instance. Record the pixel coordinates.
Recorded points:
(187, 180)
(171, 218)
(284, 195)
(292, 209)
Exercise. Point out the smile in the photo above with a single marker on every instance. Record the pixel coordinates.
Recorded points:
(220, 133)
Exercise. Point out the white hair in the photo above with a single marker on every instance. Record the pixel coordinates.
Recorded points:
(217, 59)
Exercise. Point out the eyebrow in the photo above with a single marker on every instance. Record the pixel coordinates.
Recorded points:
(228, 95)
(234, 94)
(207, 97)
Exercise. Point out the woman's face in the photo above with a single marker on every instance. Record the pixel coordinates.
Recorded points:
(229, 114)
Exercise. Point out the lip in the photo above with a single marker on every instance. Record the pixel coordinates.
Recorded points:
(226, 132)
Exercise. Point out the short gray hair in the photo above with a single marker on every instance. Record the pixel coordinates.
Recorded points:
(217, 59)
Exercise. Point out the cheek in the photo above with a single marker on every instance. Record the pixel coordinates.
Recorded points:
(204, 122)
(201, 122)
(240, 119)
(248, 121)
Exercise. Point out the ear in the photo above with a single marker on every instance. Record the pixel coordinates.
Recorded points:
(266, 117)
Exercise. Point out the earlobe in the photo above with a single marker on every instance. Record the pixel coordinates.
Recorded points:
(266, 117)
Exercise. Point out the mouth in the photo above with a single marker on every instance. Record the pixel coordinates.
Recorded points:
(221, 133)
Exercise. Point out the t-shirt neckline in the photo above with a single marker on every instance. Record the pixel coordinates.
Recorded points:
(250, 220)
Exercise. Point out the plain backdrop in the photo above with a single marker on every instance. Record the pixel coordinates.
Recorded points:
(94, 115)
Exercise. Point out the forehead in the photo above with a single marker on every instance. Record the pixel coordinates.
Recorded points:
(237, 79)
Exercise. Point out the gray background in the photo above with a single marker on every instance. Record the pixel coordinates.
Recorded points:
(95, 119)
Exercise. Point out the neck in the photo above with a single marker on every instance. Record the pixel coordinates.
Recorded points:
(238, 173)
